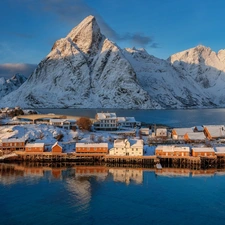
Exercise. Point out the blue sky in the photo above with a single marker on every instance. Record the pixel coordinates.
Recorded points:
(29, 28)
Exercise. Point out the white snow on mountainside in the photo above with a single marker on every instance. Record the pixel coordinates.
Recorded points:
(86, 70)
(163, 83)
(204, 67)
(9, 85)
(83, 70)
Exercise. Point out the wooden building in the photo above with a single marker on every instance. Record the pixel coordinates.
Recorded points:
(35, 147)
(12, 144)
(123, 147)
(203, 152)
(92, 148)
(195, 137)
(171, 150)
(178, 133)
(56, 148)
(214, 131)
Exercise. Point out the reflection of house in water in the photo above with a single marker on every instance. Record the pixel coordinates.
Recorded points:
(127, 175)
(173, 172)
(97, 171)
(203, 173)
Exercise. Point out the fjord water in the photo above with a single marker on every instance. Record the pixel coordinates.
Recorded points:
(101, 195)
(173, 118)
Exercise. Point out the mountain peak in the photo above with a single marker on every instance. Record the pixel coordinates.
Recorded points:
(86, 35)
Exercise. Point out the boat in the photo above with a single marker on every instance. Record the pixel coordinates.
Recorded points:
(158, 166)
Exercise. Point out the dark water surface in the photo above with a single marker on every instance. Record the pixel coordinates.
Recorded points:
(173, 118)
(101, 195)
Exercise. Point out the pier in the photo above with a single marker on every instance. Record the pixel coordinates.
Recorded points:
(143, 161)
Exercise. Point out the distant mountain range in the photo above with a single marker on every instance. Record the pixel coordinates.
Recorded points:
(9, 85)
(86, 70)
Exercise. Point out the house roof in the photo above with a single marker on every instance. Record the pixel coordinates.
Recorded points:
(121, 119)
(181, 149)
(15, 140)
(88, 145)
(183, 131)
(172, 148)
(196, 136)
(220, 150)
(120, 142)
(35, 145)
(56, 145)
(203, 149)
(216, 130)
(136, 143)
(199, 128)
(102, 116)
(57, 120)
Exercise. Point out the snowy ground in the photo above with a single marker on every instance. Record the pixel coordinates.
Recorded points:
(42, 133)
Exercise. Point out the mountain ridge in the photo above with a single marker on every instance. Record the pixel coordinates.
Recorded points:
(87, 70)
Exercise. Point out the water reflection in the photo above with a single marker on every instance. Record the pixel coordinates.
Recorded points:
(11, 173)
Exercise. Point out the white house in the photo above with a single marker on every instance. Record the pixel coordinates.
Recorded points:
(60, 123)
(123, 147)
(106, 121)
(161, 132)
(126, 121)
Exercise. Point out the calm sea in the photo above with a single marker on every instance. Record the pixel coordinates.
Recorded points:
(173, 118)
(100, 195)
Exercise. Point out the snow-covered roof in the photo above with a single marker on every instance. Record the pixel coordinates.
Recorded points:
(183, 131)
(56, 144)
(35, 145)
(203, 149)
(216, 130)
(136, 143)
(199, 128)
(161, 129)
(88, 145)
(220, 150)
(57, 120)
(165, 148)
(121, 119)
(120, 142)
(15, 140)
(130, 119)
(102, 116)
(181, 149)
(172, 148)
(196, 136)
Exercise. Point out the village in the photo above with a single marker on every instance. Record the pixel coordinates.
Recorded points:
(111, 139)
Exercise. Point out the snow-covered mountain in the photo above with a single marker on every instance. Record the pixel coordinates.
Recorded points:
(86, 70)
(9, 85)
(205, 68)
(164, 83)
(83, 70)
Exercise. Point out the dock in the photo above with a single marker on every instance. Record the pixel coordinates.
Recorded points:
(143, 161)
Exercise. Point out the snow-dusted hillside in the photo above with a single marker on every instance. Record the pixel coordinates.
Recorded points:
(9, 85)
(165, 84)
(86, 70)
(205, 68)
(83, 70)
